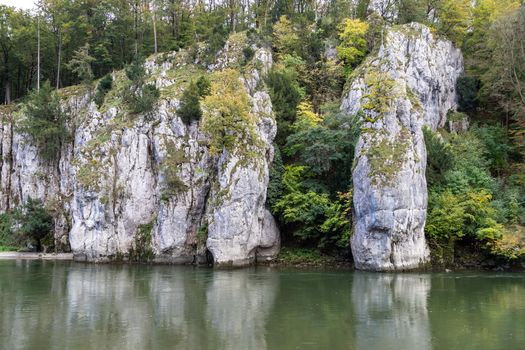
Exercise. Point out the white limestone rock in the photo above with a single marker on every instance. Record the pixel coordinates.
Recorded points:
(110, 188)
(410, 83)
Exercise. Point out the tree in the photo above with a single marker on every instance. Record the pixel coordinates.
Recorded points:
(35, 224)
(80, 64)
(454, 19)
(190, 107)
(286, 40)
(45, 122)
(353, 45)
(504, 80)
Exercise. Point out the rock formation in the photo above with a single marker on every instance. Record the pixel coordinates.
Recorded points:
(409, 84)
(148, 185)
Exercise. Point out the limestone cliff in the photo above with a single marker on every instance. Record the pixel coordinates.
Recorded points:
(408, 84)
(149, 185)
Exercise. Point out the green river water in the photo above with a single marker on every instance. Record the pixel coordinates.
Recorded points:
(66, 305)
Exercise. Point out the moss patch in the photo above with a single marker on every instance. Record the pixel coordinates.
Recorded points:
(381, 93)
(173, 185)
(141, 251)
(386, 156)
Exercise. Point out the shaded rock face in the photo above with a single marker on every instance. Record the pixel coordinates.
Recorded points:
(410, 83)
(147, 185)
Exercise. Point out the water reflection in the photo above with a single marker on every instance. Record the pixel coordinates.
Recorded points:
(391, 311)
(237, 307)
(57, 305)
(134, 307)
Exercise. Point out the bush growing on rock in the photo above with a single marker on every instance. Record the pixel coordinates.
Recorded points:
(45, 122)
(30, 225)
(105, 84)
(190, 106)
(140, 97)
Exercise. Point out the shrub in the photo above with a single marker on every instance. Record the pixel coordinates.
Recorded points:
(440, 158)
(469, 215)
(103, 87)
(275, 184)
(143, 100)
(190, 106)
(135, 70)
(44, 122)
(141, 250)
(203, 86)
(6, 230)
(497, 146)
(29, 225)
(311, 216)
(228, 118)
(285, 94)
(248, 54)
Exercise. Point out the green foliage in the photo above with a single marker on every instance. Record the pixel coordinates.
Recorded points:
(80, 64)
(105, 84)
(141, 250)
(327, 148)
(44, 122)
(286, 39)
(140, 97)
(313, 217)
(498, 148)
(286, 94)
(248, 54)
(202, 235)
(7, 237)
(468, 215)
(190, 106)
(465, 202)
(143, 100)
(35, 224)
(412, 11)
(173, 185)
(203, 86)
(440, 158)
(135, 71)
(303, 256)
(468, 89)
(275, 184)
(30, 225)
(353, 47)
(227, 117)
(381, 93)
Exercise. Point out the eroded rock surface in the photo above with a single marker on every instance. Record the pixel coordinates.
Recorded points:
(410, 83)
(146, 185)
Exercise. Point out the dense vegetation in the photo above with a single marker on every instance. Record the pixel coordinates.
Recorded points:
(476, 180)
(29, 226)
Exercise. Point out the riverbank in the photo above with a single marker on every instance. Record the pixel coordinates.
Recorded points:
(35, 256)
(303, 258)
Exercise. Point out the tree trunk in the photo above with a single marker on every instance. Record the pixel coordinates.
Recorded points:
(154, 31)
(59, 59)
(38, 55)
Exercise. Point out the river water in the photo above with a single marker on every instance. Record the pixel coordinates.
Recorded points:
(66, 305)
